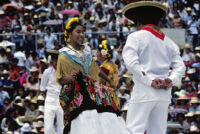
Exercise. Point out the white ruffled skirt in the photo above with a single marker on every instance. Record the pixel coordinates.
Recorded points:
(91, 122)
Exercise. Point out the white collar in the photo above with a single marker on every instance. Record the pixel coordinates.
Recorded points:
(86, 50)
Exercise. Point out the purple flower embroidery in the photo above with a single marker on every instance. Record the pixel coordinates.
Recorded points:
(79, 99)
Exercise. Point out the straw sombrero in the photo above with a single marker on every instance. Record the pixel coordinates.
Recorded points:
(189, 114)
(33, 69)
(197, 48)
(44, 60)
(145, 11)
(194, 100)
(128, 75)
(49, 51)
(53, 54)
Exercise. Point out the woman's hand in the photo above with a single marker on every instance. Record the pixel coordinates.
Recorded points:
(112, 84)
(66, 80)
(71, 78)
(74, 73)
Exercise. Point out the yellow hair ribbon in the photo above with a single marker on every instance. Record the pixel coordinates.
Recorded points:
(75, 19)
(68, 26)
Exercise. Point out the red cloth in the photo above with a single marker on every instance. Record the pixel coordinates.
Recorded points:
(154, 30)
(54, 67)
(14, 75)
(18, 69)
(190, 95)
(106, 71)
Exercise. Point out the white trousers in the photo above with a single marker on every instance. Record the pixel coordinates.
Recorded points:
(91, 122)
(49, 116)
(150, 116)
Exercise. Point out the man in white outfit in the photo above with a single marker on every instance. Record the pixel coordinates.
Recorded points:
(52, 108)
(149, 55)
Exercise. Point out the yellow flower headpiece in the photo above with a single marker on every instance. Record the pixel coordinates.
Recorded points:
(104, 44)
(68, 26)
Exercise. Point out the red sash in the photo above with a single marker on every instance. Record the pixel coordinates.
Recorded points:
(154, 30)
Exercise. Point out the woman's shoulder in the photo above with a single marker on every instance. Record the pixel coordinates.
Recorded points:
(109, 65)
(67, 51)
(64, 49)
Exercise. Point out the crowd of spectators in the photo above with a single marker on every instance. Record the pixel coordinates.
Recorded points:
(22, 64)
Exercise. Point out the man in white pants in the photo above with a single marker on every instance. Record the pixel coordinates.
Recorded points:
(52, 106)
(149, 55)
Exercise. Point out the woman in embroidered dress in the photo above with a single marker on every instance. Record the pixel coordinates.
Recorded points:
(88, 106)
(104, 55)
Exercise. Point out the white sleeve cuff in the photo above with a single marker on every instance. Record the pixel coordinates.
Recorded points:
(42, 88)
(147, 80)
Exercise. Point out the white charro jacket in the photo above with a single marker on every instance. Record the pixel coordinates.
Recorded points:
(146, 52)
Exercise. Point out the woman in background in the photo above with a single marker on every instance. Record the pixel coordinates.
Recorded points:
(104, 55)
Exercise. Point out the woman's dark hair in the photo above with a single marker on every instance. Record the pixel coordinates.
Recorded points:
(73, 26)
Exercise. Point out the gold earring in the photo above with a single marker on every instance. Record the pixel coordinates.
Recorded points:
(68, 39)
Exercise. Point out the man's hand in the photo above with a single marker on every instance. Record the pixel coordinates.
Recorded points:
(168, 83)
(162, 84)
(157, 83)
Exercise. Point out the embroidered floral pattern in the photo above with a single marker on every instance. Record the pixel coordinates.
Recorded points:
(79, 99)
(72, 98)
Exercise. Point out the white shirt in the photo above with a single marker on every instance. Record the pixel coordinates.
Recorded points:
(182, 14)
(116, 55)
(21, 57)
(87, 50)
(20, 4)
(29, 62)
(188, 56)
(193, 27)
(49, 40)
(48, 82)
(145, 52)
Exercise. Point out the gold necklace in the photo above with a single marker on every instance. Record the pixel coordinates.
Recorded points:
(84, 59)
(79, 53)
